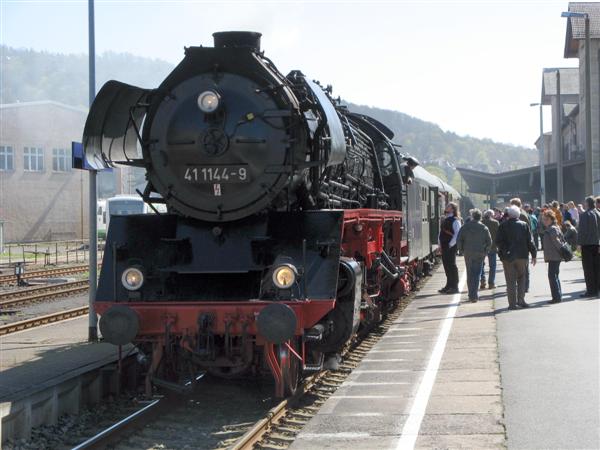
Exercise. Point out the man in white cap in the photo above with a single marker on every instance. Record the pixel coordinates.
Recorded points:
(515, 243)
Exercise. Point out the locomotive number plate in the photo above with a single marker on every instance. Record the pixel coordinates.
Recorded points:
(217, 174)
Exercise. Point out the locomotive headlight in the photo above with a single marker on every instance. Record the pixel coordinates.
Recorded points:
(208, 101)
(132, 278)
(285, 276)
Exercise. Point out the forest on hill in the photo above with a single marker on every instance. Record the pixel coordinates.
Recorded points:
(29, 75)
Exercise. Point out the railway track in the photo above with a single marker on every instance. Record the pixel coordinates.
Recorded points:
(202, 419)
(148, 411)
(37, 294)
(220, 420)
(276, 427)
(42, 320)
(274, 417)
(46, 273)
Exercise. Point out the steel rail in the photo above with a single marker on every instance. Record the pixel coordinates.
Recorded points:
(269, 424)
(42, 320)
(32, 295)
(260, 428)
(274, 416)
(134, 421)
(265, 426)
(4, 279)
(105, 437)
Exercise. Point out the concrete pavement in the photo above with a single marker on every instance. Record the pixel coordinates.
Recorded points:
(476, 376)
(34, 358)
(446, 375)
(549, 360)
(432, 381)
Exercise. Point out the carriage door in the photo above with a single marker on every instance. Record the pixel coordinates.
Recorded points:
(425, 245)
(413, 210)
(434, 216)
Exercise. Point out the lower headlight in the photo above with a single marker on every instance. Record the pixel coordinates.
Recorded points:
(285, 276)
(132, 278)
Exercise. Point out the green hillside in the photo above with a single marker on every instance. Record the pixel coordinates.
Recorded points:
(29, 75)
(444, 149)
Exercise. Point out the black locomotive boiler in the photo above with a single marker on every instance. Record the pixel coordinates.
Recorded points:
(284, 227)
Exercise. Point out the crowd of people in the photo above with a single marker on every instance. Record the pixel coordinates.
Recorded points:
(515, 235)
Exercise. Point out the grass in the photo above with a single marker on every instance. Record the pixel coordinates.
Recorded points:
(18, 255)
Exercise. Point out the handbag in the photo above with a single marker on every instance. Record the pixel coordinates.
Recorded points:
(566, 254)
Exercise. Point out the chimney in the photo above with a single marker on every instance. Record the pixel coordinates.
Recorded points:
(237, 39)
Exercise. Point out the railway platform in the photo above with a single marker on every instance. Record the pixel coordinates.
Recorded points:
(50, 370)
(455, 374)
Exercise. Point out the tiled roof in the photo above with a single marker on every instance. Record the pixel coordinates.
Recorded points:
(576, 26)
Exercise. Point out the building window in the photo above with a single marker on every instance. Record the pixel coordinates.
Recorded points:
(7, 158)
(33, 159)
(61, 160)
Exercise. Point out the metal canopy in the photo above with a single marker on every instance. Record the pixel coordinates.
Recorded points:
(525, 183)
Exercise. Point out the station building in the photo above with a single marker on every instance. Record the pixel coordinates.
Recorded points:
(41, 196)
(563, 149)
(575, 48)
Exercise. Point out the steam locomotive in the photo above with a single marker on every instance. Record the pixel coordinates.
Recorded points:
(289, 224)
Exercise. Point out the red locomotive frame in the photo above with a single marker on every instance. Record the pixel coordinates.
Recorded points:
(366, 234)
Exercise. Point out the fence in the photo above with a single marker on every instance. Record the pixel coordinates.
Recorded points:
(49, 253)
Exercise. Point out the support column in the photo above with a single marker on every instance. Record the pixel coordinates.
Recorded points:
(542, 157)
(557, 138)
(589, 160)
(493, 195)
(93, 235)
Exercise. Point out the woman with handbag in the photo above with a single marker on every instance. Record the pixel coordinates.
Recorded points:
(553, 248)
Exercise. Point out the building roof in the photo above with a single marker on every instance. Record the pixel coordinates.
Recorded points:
(514, 181)
(576, 26)
(547, 135)
(42, 103)
(569, 84)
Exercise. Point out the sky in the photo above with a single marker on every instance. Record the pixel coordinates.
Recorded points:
(472, 67)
